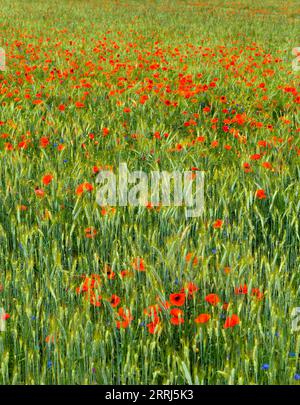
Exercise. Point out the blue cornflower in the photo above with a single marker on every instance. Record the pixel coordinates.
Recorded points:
(214, 250)
(297, 377)
(49, 364)
(265, 366)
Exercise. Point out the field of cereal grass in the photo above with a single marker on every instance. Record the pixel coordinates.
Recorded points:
(88, 291)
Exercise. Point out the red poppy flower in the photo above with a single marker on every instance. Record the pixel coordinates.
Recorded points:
(176, 321)
(114, 300)
(163, 304)
(247, 167)
(202, 318)
(176, 312)
(78, 104)
(125, 314)
(190, 288)
(152, 310)
(267, 165)
(39, 192)
(47, 179)
(84, 187)
(241, 290)
(22, 145)
(125, 273)
(138, 264)
(177, 316)
(153, 326)
(257, 293)
(44, 142)
(177, 299)
(109, 273)
(88, 186)
(105, 131)
(89, 283)
(231, 321)
(94, 300)
(8, 146)
(188, 259)
(212, 299)
(260, 194)
(90, 232)
(218, 223)
(50, 339)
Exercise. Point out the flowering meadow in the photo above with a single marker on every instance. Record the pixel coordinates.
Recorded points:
(144, 295)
